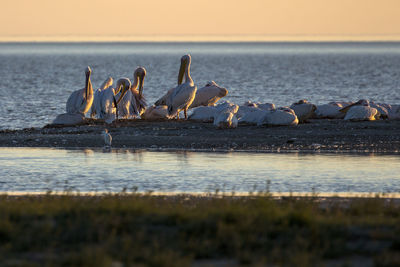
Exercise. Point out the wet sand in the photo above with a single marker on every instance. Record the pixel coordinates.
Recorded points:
(314, 136)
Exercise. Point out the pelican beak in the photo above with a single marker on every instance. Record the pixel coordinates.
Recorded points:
(87, 83)
(141, 82)
(344, 110)
(181, 72)
(124, 90)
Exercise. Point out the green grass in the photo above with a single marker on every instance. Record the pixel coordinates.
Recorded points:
(132, 230)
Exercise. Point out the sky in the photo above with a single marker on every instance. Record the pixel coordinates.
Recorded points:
(199, 19)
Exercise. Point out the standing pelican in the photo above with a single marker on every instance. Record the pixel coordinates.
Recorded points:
(133, 103)
(183, 95)
(80, 101)
(106, 106)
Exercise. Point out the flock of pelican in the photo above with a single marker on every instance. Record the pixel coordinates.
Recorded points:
(126, 101)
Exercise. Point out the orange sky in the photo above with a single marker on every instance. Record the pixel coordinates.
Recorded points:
(132, 18)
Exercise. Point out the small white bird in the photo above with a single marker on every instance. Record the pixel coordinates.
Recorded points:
(80, 101)
(107, 138)
(183, 95)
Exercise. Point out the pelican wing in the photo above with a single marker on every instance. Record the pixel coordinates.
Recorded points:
(181, 97)
(163, 100)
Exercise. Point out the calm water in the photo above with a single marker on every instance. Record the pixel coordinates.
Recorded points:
(36, 79)
(34, 169)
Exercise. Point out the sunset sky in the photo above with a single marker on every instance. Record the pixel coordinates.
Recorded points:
(213, 19)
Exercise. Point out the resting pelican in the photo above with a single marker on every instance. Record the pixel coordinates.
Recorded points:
(283, 116)
(360, 111)
(106, 105)
(133, 103)
(304, 110)
(80, 101)
(330, 110)
(226, 120)
(208, 95)
(183, 95)
(156, 113)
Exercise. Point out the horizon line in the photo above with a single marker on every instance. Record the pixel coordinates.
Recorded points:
(199, 38)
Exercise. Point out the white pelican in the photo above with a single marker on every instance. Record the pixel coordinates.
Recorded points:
(360, 111)
(330, 110)
(226, 120)
(96, 101)
(283, 116)
(208, 95)
(107, 138)
(304, 110)
(252, 116)
(106, 106)
(156, 113)
(183, 95)
(133, 103)
(80, 101)
(204, 114)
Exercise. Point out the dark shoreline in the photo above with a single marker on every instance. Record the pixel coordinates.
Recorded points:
(316, 136)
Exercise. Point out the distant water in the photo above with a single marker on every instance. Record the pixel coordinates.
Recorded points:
(37, 78)
(38, 169)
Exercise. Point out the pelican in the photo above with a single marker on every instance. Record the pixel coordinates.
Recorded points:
(283, 116)
(360, 111)
(156, 113)
(204, 114)
(80, 101)
(304, 110)
(226, 120)
(96, 101)
(331, 110)
(133, 103)
(209, 95)
(106, 106)
(183, 95)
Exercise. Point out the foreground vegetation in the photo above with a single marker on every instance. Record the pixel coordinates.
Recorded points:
(132, 229)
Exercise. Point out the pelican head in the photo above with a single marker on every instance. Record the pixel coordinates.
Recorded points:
(139, 75)
(123, 85)
(185, 63)
(88, 70)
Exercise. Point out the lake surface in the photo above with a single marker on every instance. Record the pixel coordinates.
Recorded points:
(42, 169)
(37, 78)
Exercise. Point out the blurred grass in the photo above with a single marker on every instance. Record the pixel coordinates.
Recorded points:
(143, 230)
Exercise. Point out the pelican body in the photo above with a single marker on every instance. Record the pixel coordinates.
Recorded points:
(133, 103)
(80, 101)
(183, 95)
(360, 111)
(209, 95)
(107, 104)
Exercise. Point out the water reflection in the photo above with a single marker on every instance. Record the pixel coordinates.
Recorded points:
(36, 169)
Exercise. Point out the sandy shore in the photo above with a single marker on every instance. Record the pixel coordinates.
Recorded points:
(317, 135)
